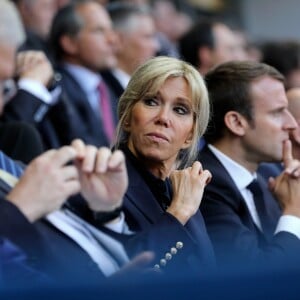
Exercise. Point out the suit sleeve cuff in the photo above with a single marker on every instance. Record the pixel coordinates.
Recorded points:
(35, 88)
(289, 224)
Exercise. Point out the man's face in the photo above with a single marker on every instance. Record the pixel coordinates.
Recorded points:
(272, 121)
(226, 45)
(7, 67)
(293, 79)
(7, 61)
(38, 16)
(93, 46)
(137, 44)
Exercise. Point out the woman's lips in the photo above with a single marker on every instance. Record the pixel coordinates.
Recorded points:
(157, 136)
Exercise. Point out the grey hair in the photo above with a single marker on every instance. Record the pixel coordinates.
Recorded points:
(123, 15)
(11, 27)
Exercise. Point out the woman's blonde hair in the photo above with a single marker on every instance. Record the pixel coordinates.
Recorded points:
(147, 80)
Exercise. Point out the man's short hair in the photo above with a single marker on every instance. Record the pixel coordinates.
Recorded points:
(229, 89)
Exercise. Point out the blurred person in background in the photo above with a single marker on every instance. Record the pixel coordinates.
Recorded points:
(17, 139)
(37, 16)
(209, 43)
(172, 20)
(82, 39)
(135, 42)
(285, 57)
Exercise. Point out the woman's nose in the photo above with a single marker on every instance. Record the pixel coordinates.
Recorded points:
(163, 117)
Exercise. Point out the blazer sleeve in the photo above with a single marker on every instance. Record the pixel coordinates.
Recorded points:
(236, 239)
(57, 124)
(15, 227)
(167, 234)
(25, 107)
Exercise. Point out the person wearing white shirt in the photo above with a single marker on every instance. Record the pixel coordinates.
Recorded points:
(250, 124)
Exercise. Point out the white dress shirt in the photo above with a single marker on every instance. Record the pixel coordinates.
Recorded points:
(122, 77)
(242, 178)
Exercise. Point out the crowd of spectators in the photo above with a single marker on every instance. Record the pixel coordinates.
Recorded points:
(145, 147)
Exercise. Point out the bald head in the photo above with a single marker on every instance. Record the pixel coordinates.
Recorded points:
(11, 36)
(11, 28)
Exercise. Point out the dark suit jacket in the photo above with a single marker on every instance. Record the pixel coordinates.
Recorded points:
(58, 124)
(15, 270)
(113, 83)
(159, 231)
(87, 116)
(49, 250)
(229, 223)
(20, 141)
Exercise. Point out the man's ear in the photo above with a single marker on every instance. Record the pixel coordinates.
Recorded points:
(235, 122)
(69, 44)
(205, 57)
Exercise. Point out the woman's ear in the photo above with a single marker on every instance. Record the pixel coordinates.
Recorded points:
(235, 123)
(126, 126)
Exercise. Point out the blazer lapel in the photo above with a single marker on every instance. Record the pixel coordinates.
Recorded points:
(224, 183)
(139, 195)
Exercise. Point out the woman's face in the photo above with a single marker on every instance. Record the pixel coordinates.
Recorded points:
(162, 125)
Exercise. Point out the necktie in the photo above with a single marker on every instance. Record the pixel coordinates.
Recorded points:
(106, 112)
(260, 205)
(10, 166)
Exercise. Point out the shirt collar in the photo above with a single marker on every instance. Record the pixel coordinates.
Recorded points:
(240, 175)
(87, 79)
(122, 77)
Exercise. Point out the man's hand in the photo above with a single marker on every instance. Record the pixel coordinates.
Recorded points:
(103, 176)
(286, 186)
(188, 186)
(34, 65)
(291, 165)
(46, 183)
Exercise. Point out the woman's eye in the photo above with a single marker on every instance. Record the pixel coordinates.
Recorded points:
(151, 101)
(182, 110)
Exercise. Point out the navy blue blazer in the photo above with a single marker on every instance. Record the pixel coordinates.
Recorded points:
(230, 225)
(15, 270)
(48, 250)
(159, 231)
